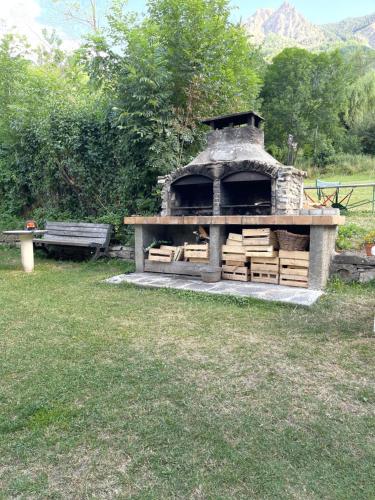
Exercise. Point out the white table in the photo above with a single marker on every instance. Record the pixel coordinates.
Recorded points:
(27, 249)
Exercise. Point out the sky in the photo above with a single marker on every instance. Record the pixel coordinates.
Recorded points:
(29, 17)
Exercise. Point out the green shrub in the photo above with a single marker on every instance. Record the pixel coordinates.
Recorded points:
(349, 235)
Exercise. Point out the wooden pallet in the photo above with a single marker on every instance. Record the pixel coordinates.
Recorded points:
(265, 277)
(267, 264)
(233, 253)
(294, 268)
(196, 251)
(262, 236)
(161, 254)
(261, 251)
(235, 273)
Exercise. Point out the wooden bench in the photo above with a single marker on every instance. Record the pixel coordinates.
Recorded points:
(96, 237)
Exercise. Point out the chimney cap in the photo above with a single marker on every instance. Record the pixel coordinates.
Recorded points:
(244, 118)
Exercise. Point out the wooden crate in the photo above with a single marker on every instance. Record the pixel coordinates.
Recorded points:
(294, 268)
(265, 277)
(267, 264)
(235, 273)
(161, 254)
(233, 253)
(233, 243)
(197, 260)
(178, 252)
(294, 280)
(261, 251)
(262, 236)
(235, 237)
(243, 263)
(196, 251)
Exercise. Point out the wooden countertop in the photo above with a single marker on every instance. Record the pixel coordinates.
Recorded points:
(277, 220)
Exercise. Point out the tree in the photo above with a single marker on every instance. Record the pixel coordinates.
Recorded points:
(305, 94)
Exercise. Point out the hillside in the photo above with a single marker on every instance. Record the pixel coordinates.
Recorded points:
(286, 27)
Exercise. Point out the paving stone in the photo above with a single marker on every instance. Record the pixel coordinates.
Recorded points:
(263, 291)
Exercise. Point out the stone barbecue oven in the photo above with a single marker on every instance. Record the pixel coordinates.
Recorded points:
(232, 186)
(234, 175)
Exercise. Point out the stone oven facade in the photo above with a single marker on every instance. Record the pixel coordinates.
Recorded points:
(233, 186)
(234, 175)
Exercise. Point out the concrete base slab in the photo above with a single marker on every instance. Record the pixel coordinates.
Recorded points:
(263, 291)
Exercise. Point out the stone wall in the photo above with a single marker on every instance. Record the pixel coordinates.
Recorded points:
(121, 252)
(350, 267)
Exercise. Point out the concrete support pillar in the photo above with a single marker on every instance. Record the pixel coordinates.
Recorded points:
(322, 248)
(217, 239)
(144, 236)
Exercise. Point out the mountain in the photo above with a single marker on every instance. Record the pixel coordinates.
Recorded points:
(356, 28)
(286, 27)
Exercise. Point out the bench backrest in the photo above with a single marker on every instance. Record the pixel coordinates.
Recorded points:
(88, 232)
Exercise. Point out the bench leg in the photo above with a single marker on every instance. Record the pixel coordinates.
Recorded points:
(96, 255)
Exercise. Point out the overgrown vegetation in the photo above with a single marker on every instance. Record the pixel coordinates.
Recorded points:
(85, 135)
(115, 391)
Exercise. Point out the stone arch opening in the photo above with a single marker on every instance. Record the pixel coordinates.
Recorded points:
(192, 194)
(246, 192)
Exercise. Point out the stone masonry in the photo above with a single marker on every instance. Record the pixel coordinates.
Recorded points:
(239, 149)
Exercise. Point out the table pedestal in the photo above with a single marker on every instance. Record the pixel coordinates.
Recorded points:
(27, 252)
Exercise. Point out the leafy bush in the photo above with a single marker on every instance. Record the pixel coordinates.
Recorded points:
(349, 235)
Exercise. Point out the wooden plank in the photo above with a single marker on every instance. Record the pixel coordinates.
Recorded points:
(198, 260)
(184, 268)
(294, 271)
(234, 243)
(72, 242)
(83, 230)
(160, 251)
(179, 253)
(195, 255)
(287, 254)
(264, 231)
(260, 248)
(237, 263)
(258, 241)
(265, 260)
(235, 237)
(233, 249)
(261, 251)
(261, 254)
(295, 277)
(75, 234)
(159, 258)
(200, 247)
(234, 258)
(265, 277)
(290, 282)
(89, 225)
(294, 262)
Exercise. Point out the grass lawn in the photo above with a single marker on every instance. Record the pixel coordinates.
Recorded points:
(359, 220)
(116, 392)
